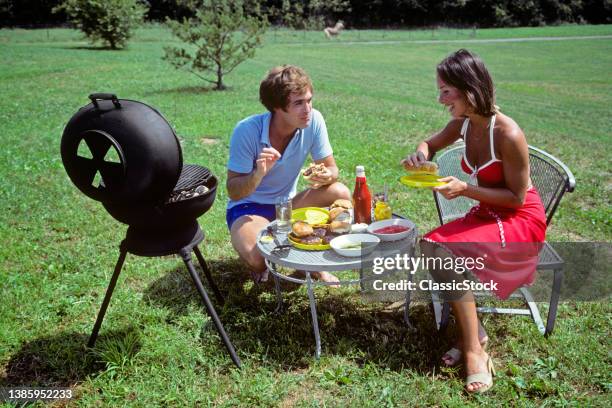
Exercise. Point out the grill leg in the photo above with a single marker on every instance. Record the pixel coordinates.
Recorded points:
(107, 297)
(211, 282)
(186, 255)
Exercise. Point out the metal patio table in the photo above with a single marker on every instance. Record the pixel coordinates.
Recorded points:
(328, 261)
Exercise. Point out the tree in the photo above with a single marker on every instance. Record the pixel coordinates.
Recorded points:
(219, 38)
(109, 21)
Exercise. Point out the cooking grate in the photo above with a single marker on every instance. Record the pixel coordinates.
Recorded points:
(191, 183)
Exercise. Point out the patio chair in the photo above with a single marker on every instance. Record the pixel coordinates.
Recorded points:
(552, 178)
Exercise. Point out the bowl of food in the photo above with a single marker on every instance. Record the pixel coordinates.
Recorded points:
(354, 244)
(391, 230)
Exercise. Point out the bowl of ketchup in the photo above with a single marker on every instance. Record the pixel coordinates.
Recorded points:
(391, 230)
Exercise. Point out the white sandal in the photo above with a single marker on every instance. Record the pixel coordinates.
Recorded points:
(456, 355)
(484, 378)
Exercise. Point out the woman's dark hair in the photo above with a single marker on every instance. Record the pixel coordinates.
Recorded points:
(466, 72)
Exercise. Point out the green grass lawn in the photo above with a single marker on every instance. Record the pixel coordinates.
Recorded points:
(158, 347)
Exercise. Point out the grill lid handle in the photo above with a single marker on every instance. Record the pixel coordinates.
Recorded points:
(105, 97)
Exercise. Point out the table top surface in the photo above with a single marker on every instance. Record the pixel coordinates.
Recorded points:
(329, 260)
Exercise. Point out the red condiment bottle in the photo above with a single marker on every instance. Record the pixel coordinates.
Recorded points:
(362, 199)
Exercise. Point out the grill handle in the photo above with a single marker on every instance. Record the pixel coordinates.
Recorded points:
(105, 97)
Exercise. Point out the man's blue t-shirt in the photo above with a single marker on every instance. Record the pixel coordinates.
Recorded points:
(249, 138)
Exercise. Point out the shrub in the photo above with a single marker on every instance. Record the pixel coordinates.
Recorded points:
(220, 37)
(109, 21)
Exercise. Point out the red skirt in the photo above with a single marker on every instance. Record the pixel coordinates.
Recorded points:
(506, 240)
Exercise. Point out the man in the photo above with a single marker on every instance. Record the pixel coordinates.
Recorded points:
(267, 152)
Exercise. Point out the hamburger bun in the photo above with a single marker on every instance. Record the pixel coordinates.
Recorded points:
(342, 203)
(339, 227)
(301, 229)
(314, 170)
(339, 214)
(425, 167)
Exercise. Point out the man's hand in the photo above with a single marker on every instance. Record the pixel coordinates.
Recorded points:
(266, 160)
(321, 179)
(454, 187)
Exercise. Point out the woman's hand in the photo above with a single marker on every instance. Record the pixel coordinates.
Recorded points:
(453, 187)
(413, 161)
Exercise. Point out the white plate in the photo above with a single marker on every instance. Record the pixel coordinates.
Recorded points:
(367, 244)
(386, 223)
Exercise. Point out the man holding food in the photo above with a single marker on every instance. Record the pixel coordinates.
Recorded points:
(267, 153)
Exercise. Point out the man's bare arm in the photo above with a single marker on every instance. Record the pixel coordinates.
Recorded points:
(240, 185)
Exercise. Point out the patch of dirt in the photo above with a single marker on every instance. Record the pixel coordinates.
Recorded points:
(209, 140)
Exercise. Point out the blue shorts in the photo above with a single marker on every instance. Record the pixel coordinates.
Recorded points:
(267, 211)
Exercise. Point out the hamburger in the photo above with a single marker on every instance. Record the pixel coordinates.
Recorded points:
(342, 203)
(314, 170)
(427, 167)
(304, 233)
(340, 216)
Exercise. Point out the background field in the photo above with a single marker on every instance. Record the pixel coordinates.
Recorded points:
(379, 100)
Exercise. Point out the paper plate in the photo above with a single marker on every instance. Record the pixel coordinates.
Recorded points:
(422, 180)
(299, 245)
(312, 215)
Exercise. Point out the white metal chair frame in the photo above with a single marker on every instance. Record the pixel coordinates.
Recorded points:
(553, 179)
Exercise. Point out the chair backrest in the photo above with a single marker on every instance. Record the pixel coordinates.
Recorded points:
(549, 175)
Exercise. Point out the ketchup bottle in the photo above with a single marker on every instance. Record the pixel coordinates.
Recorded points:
(362, 199)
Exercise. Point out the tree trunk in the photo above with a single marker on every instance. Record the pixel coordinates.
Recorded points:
(220, 85)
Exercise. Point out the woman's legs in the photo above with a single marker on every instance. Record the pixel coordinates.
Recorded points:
(474, 356)
(464, 309)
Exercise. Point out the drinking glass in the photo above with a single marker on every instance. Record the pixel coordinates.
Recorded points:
(283, 214)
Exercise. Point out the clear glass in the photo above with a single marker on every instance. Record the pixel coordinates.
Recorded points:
(283, 214)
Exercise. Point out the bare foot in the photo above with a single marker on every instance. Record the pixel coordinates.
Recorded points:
(259, 276)
(327, 277)
(322, 276)
(453, 358)
(475, 362)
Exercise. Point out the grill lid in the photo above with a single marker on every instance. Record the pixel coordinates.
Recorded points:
(121, 151)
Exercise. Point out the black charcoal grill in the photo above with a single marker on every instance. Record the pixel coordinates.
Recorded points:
(125, 154)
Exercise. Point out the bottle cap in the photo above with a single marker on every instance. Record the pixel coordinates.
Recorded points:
(360, 171)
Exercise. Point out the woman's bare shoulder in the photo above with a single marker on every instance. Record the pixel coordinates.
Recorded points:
(454, 125)
(507, 130)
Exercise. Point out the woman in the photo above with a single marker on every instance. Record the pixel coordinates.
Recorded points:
(509, 218)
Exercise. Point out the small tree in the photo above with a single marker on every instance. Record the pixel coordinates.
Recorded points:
(109, 21)
(220, 37)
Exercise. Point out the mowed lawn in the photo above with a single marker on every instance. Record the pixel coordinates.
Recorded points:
(157, 345)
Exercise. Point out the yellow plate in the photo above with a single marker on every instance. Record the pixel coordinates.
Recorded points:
(299, 245)
(312, 215)
(424, 180)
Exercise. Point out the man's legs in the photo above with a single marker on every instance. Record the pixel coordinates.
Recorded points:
(244, 240)
(322, 197)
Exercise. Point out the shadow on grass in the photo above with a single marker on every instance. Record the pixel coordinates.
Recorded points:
(62, 360)
(349, 327)
(183, 90)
